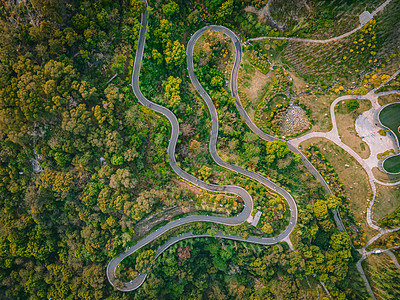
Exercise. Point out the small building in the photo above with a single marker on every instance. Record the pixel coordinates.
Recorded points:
(256, 218)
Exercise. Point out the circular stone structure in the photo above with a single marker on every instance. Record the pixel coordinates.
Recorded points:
(389, 117)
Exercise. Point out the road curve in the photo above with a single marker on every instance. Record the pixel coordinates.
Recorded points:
(234, 92)
(239, 191)
(336, 38)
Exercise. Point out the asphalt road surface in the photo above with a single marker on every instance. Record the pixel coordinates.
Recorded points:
(231, 189)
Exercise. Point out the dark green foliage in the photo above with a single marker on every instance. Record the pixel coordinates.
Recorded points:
(352, 105)
(170, 9)
(100, 164)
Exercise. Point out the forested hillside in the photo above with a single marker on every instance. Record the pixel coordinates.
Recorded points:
(84, 172)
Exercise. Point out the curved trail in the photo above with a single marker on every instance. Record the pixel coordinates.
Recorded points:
(239, 191)
(330, 40)
(333, 136)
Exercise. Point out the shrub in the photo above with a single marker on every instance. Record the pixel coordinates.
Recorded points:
(352, 105)
(117, 160)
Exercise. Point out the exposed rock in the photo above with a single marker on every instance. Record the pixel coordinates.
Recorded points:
(294, 121)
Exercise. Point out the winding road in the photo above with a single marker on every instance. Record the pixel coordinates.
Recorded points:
(231, 189)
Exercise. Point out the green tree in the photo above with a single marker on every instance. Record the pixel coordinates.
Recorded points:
(170, 9)
(174, 54)
(137, 8)
(80, 22)
(225, 10)
(117, 160)
(320, 210)
(333, 202)
(157, 56)
(171, 91)
(205, 172)
(144, 260)
(194, 17)
(162, 33)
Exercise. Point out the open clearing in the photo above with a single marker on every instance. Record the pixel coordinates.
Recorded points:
(345, 121)
(252, 85)
(387, 201)
(383, 100)
(354, 178)
(319, 105)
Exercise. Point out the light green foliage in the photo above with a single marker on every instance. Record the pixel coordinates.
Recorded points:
(144, 260)
(174, 54)
(76, 120)
(171, 91)
(217, 81)
(194, 16)
(63, 159)
(137, 7)
(170, 9)
(333, 202)
(205, 172)
(157, 56)
(117, 160)
(163, 32)
(275, 150)
(225, 10)
(119, 63)
(320, 210)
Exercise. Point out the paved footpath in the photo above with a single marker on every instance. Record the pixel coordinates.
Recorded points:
(334, 137)
(330, 40)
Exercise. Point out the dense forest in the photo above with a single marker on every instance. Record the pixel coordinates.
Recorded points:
(82, 163)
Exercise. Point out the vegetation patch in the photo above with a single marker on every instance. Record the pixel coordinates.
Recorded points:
(275, 214)
(274, 108)
(384, 154)
(392, 164)
(387, 206)
(383, 276)
(347, 113)
(389, 117)
(331, 177)
(353, 181)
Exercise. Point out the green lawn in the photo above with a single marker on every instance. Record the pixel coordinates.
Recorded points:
(392, 164)
(390, 117)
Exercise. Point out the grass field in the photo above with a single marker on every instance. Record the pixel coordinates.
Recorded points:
(386, 99)
(390, 117)
(385, 177)
(387, 201)
(252, 85)
(353, 178)
(345, 121)
(392, 164)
